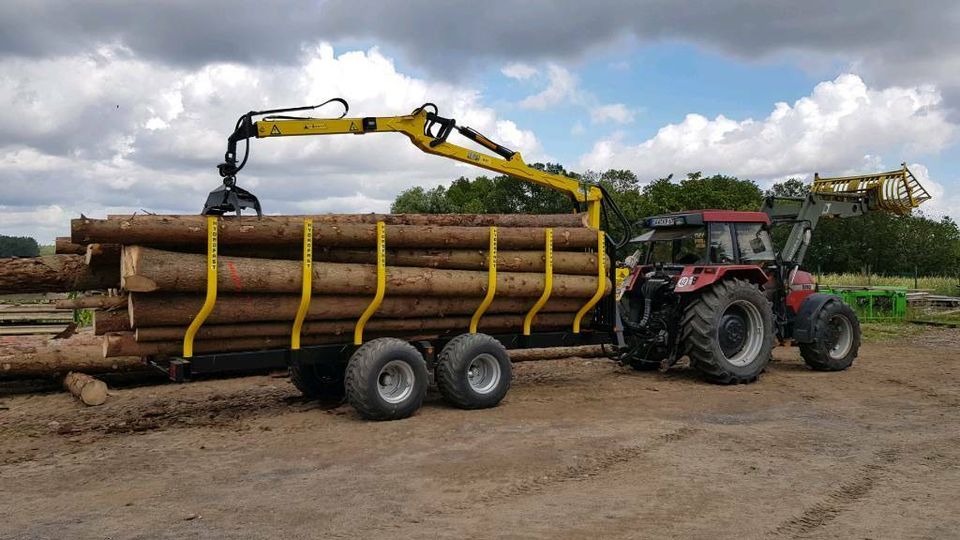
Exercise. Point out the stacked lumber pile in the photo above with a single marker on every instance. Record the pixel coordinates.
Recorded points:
(436, 277)
(22, 319)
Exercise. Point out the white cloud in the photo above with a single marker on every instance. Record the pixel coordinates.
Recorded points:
(519, 71)
(832, 129)
(106, 131)
(561, 87)
(613, 112)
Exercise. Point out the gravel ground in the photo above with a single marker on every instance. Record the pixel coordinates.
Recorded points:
(579, 448)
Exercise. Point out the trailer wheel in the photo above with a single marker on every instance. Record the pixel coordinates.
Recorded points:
(316, 383)
(836, 338)
(386, 379)
(728, 332)
(474, 371)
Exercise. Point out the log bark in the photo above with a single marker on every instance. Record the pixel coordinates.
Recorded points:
(54, 273)
(63, 246)
(88, 390)
(462, 220)
(179, 309)
(33, 356)
(398, 327)
(105, 321)
(564, 262)
(103, 255)
(278, 230)
(93, 302)
(148, 270)
(124, 344)
(556, 353)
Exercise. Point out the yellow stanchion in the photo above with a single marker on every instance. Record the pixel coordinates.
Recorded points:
(547, 283)
(381, 284)
(491, 281)
(211, 299)
(601, 283)
(307, 284)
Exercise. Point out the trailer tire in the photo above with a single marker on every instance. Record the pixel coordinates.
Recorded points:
(313, 384)
(474, 371)
(728, 332)
(836, 333)
(386, 379)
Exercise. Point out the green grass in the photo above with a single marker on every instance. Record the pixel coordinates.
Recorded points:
(935, 284)
(47, 249)
(888, 331)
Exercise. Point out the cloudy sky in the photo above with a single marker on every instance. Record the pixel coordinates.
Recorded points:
(122, 106)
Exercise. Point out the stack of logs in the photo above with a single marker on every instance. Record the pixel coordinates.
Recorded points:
(436, 277)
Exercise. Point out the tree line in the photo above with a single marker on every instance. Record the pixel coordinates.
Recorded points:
(877, 242)
(18, 246)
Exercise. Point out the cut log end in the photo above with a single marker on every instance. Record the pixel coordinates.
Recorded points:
(89, 390)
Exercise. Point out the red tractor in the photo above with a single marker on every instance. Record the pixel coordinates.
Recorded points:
(710, 285)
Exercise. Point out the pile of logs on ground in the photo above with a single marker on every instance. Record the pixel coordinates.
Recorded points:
(153, 271)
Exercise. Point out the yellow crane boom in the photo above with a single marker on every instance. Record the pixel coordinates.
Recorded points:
(425, 128)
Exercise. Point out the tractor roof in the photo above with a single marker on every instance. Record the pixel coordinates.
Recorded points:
(699, 217)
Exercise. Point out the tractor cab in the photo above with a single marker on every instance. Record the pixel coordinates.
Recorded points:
(705, 238)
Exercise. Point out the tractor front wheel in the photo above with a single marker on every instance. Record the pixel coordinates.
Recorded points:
(728, 332)
(836, 334)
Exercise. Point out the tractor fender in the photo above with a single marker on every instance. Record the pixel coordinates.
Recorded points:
(809, 310)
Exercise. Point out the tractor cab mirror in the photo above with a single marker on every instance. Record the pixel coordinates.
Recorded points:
(757, 245)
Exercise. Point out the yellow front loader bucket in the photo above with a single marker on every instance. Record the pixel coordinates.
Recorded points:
(897, 191)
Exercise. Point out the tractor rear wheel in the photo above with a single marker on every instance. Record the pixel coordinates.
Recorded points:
(836, 335)
(728, 332)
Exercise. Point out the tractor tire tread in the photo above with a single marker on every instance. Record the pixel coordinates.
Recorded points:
(697, 330)
(816, 355)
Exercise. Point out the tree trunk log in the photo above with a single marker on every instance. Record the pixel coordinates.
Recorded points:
(462, 220)
(556, 353)
(54, 273)
(103, 255)
(148, 270)
(88, 390)
(32, 356)
(63, 246)
(93, 302)
(148, 310)
(277, 230)
(117, 320)
(488, 324)
(564, 262)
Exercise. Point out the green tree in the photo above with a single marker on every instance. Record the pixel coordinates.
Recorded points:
(18, 246)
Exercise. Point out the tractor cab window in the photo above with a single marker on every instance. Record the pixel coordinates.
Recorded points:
(754, 243)
(673, 246)
(721, 243)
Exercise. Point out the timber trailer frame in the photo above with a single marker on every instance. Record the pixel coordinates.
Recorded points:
(709, 309)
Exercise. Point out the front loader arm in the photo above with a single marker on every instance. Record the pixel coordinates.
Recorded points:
(424, 128)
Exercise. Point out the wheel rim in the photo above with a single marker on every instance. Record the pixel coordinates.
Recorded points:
(483, 375)
(740, 333)
(395, 381)
(841, 337)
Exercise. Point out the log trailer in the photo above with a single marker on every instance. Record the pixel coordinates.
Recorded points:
(705, 284)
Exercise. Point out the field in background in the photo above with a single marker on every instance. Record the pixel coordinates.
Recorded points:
(946, 285)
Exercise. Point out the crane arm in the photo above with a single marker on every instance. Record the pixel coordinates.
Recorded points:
(426, 129)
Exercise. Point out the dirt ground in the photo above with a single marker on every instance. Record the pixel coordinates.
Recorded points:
(580, 448)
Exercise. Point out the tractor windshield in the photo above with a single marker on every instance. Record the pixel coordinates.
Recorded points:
(675, 245)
